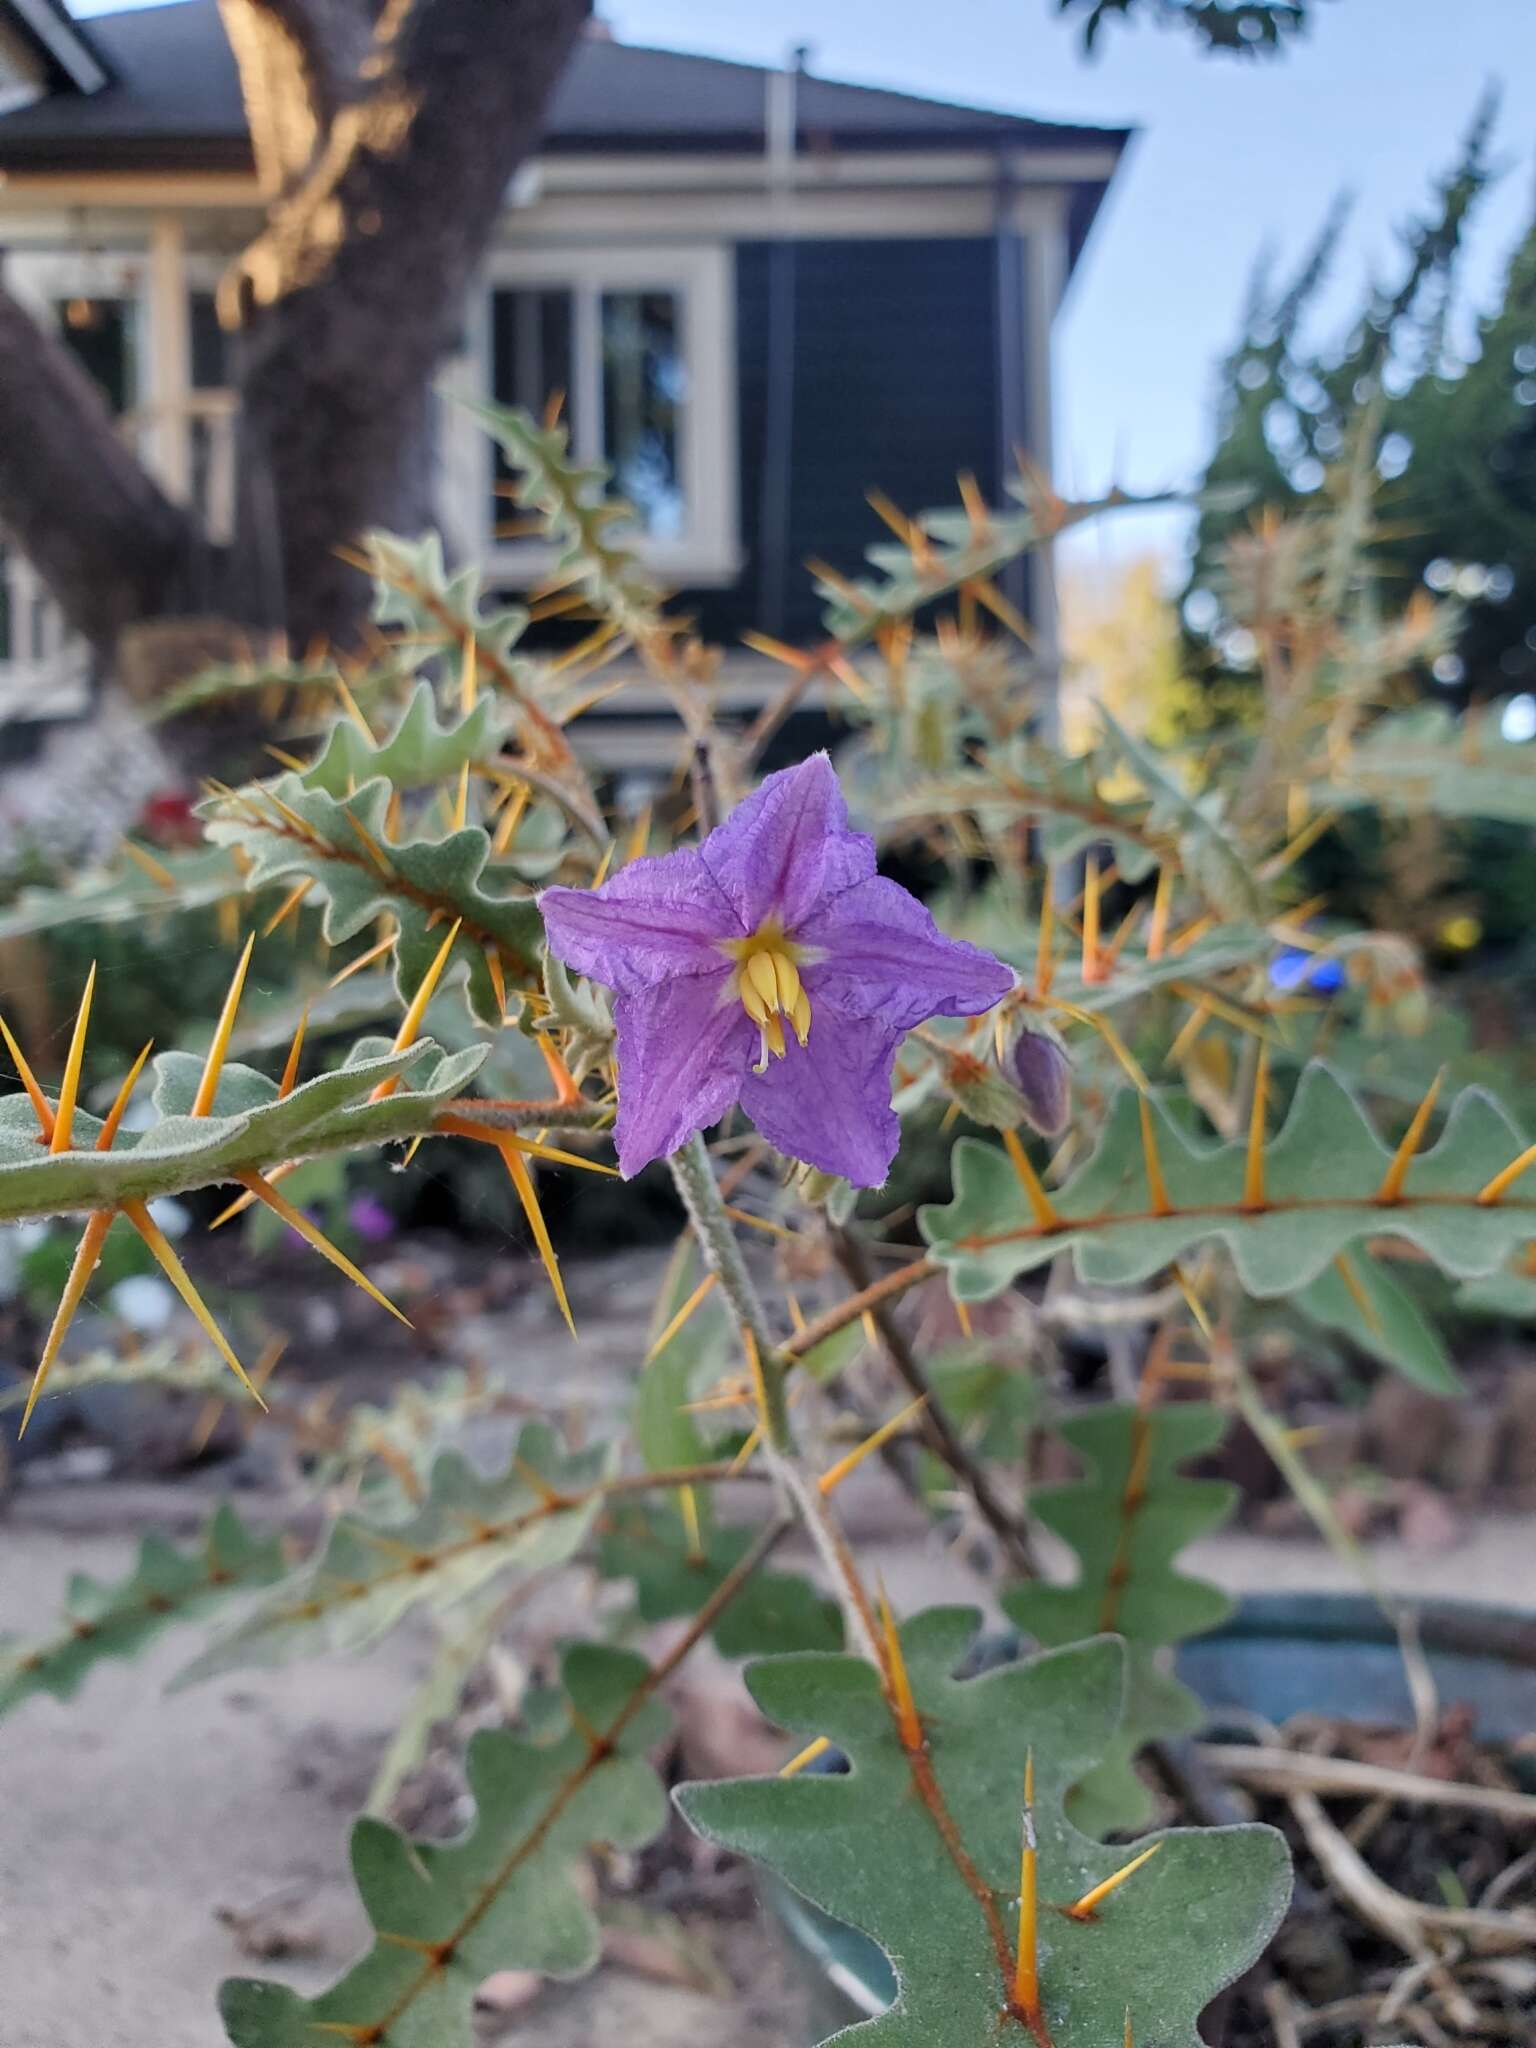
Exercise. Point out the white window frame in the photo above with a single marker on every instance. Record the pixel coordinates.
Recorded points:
(702, 279)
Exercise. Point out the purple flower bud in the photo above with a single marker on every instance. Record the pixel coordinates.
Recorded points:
(1043, 1073)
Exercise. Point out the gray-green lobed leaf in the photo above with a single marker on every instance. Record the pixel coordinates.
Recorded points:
(867, 1848)
(501, 1896)
(166, 1586)
(370, 1572)
(1322, 1172)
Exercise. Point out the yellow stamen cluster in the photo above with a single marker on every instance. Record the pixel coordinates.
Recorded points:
(768, 981)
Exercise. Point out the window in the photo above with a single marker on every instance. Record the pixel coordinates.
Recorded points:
(640, 349)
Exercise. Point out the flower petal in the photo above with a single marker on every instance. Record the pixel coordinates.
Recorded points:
(886, 958)
(785, 848)
(683, 1050)
(652, 921)
(828, 1102)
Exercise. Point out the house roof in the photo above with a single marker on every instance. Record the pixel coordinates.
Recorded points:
(62, 46)
(173, 100)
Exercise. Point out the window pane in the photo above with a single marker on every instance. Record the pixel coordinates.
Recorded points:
(210, 346)
(100, 333)
(643, 388)
(530, 360)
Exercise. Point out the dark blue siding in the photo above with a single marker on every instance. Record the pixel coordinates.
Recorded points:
(896, 374)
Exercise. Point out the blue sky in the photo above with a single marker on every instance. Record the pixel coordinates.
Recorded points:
(1231, 156)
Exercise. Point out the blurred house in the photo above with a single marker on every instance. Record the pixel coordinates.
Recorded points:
(762, 291)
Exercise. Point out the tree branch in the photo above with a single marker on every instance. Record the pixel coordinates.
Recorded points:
(300, 61)
(103, 536)
(353, 292)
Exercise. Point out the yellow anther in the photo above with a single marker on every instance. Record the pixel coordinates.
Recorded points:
(760, 973)
(787, 977)
(769, 985)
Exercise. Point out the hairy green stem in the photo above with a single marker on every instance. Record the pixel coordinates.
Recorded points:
(694, 1174)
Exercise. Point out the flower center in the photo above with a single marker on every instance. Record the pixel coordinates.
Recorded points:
(767, 980)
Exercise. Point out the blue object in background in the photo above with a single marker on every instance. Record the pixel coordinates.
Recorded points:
(1294, 969)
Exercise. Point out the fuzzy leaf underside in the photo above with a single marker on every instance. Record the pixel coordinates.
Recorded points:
(1131, 975)
(957, 554)
(124, 896)
(251, 1127)
(500, 1896)
(165, 1587)
(1127, 1520)
(1429, 760)
(1213, 862)
(425, 885)
(1322, 1172)
(166, 1367)
(867, 1848)
(371, 1573)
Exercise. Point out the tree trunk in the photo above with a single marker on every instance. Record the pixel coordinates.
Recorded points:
(385, 134)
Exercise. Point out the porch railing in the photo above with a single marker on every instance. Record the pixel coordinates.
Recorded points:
(45, 670)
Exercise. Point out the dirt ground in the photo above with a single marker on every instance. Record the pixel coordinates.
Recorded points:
(131, 1820)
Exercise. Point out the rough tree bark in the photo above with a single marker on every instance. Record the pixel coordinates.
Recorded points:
(385, 133)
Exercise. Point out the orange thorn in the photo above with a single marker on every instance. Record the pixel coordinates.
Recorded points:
(836, 1474)
(1089, 1903)
(808, 1755)
(755, 1364)
(87, 1253)
(460, 816)
(605, 864)
(349, 704)
(498, 979)
(41, 1106)
(108, 1132)
(688, 1501)
(1502, 1182)
(1192, 1300)
(243, 1202)
(155, 869)
(1162, 903)
(898, 1685)
(287, 907)
(511, 818)
(371, 847)
(492, 1134)
(1156, 1185)
(1253, 1176)
(1026, 1969)
(1040, 1204)
(469, 685)
(1091, 920)
(743, 1457)
(963, 1318)
(522, 1180)
(138, 1215)
(364, 959)
(69, 1086)
(1044, 965)
(291, 1064)
(1357, 1293)
(1392, 1180)
(313, 1235)
(566, 1091)
(208, 1086)
(410, 1024)
(677, 1322)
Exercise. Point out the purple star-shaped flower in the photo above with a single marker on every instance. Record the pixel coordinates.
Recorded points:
(778, 919)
